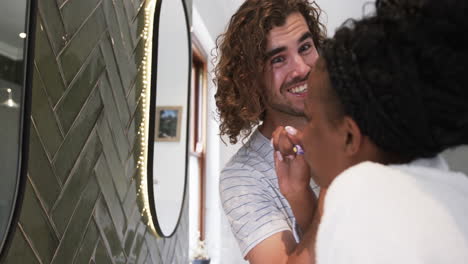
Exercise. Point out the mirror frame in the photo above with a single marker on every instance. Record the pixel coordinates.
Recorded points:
(152, 117)
(25, 116)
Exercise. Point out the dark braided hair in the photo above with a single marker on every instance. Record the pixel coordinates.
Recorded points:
(402, 75)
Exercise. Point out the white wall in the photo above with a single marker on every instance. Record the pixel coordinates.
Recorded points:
(220, 243)
(457, 158)
(338, 11)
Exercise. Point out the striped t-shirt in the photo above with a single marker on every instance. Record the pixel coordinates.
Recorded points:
(251, 197)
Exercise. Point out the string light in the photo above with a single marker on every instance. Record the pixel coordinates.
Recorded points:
(142, 164)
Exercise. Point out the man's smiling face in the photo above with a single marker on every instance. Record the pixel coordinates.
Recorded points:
(291, 54)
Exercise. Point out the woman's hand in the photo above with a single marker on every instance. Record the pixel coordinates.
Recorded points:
(292, 170)
(294, 175)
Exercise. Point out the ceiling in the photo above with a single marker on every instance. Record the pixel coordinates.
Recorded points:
(12, 21)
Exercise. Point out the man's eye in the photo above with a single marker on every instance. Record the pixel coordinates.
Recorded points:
(305, 47)
(277, 60)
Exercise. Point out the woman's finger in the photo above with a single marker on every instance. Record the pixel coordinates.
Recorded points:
(295, 136)
(285, 145)
(281, 167)
(275, 137)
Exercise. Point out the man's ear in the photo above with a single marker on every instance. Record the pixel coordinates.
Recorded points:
(352, 136)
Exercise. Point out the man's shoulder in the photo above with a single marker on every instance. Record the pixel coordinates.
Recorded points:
(254, 152)
(246, 170)
(248, 160)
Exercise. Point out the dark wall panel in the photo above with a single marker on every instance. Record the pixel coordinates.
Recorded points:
(80, 204)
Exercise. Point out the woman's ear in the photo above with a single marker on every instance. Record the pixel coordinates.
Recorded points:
(352, 136)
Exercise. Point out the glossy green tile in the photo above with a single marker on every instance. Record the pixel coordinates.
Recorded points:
(75, 12)
(133, 223)
(76, 228)
(88, 245)
(75, 140)
(139, 52)
(47, 64)
(147, 259)
(130, 199)
(143, 253)
(60, 2)
(113, 160)
(136, 119)
(134, 94)
(101, 256)
(128, 8)
(124, 23)
(127, 69)
(154, 253)
(109, 192)
(138, 5)
(115, 82)
(49, 11)
(82, 44)
(132, 133)
(36, 225)
(108, 232)
(70, 106)
(44, 117)
(118, 132)
(40, 171)
(137, 242)
(137, 26)
(76, 184)
(131, 170)
(131, 165)
(20, 251)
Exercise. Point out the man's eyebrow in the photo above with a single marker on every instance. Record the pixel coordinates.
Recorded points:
(305, 36)
(273, 52)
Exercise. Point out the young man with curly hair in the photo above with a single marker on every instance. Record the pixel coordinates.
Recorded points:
(265, 58)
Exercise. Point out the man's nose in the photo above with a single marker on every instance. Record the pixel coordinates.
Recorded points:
(299, 67)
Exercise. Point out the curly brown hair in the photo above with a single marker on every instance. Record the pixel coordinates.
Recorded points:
(241, 60)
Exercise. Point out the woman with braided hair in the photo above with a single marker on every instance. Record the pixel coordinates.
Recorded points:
(388, 94)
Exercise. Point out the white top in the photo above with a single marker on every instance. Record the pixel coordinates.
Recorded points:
(250, 195)
(414, 213)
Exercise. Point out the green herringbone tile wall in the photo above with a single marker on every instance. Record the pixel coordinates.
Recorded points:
(80, 202)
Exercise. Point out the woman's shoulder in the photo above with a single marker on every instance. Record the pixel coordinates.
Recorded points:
(364, 177)
(370, 178)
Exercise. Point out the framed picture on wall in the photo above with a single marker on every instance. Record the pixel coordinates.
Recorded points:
(168, 122)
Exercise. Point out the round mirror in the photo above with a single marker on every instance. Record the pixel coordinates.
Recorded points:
(169, 108)
(15, 86)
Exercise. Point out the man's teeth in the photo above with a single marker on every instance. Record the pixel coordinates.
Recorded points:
(299, 89)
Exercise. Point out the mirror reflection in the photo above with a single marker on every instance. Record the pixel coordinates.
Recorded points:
(170, 110)
(13, 27)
